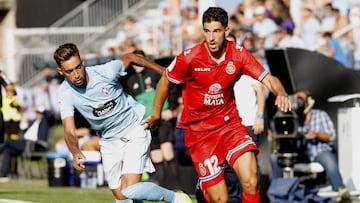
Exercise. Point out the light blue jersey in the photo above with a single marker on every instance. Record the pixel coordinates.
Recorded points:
(110, 111)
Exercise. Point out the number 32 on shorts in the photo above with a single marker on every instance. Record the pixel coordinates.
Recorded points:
(211, 164)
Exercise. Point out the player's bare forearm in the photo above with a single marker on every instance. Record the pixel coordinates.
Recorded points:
(70, 136)
(131, 58)
(161, 95)
(258, 126)
(260, 97)
(72, 143)
(275, 86)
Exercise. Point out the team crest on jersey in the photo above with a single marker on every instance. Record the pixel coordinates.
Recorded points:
(230, 68)
(105, 91)
(202, 169)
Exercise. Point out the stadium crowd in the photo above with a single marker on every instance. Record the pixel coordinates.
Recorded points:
(330, 27)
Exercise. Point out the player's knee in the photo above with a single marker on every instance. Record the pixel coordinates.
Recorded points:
(118, 195)
(250, 184)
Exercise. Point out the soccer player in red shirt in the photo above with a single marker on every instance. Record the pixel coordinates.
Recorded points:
(214, 132)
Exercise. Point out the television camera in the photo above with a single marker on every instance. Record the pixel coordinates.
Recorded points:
(289, 143)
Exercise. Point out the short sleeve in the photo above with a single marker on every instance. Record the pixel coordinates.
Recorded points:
(251, 65)
(111, 70)
(65, 103)
(178, 69)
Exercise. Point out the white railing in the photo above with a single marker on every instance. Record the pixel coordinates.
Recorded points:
(84, 26)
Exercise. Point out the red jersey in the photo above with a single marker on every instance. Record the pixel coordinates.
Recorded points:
(208, 87)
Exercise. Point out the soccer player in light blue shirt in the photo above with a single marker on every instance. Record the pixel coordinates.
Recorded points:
(95, 91)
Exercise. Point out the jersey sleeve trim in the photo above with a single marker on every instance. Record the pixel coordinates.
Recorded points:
(262, 76)
(171, 79)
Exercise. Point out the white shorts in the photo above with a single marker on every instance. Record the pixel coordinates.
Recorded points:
(128, 155)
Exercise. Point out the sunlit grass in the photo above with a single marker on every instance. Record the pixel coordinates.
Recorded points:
(39, 191)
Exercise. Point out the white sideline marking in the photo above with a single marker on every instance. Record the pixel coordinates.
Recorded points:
(331, 194)
(12, 201)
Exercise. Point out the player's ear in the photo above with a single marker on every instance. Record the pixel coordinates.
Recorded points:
(59, 71)
(227, 31)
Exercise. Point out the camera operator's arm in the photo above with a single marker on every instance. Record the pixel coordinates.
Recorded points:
(324, 131)
(324, 137)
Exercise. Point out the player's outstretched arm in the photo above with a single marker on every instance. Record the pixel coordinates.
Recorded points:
(275, 86)
(136, 59)
(162, 92)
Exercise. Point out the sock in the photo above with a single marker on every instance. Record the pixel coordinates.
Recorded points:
(251, 198)
(160, 173)
(173, 167)
(148, 191)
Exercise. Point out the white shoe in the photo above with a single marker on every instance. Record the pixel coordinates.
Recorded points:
(4, 179)
(181, 197)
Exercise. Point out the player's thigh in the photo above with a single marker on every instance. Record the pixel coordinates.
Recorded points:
(156, 155)
(246, 169)
(167, 150)
(112, 154)
(136, 158)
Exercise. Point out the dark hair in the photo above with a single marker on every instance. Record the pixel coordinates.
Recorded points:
(215, 14)
(139, 52)
(65, 52)
(232, 35)
(327, 34)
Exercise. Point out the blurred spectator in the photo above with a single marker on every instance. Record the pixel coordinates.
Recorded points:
(39, 130)
(11, 112)
(330, 47)
(241, 32)
(342, 5)
(355, 37)
(278, 11)
(26, 101)
(169, 29)
(249, 41)
(3, 82)
(128, 30)
(191, 30)
(327, 18)
(263, 25)
(340, 20)
(284, 37)
(309, 26)
(51, 85)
